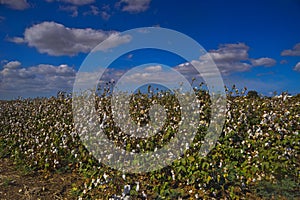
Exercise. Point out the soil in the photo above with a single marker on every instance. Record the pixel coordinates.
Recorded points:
(18, 183)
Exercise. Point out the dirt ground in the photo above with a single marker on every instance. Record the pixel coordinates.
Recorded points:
(17, 183)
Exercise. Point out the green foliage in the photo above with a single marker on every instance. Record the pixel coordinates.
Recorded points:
(286, 187)
(252, 94)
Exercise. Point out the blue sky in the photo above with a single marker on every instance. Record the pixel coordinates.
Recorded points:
(43, 43)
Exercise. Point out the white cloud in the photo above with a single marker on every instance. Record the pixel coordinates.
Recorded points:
(84, 79)
(134, 6)
(187, 70)
(297, 67)
(104, 12)
(230, 57)
(114, 39)
(17, 40)
(94, 10)
(16, 4)
(229, 52)
(155, 68)
(138, 78)
(72, 6)
(105, 15)
(12, 65)
(129, 56)
(42, 79)
(130, 78)
(235, 58)
(292, 52)
(267, 62)
(56, 39)
(75, 2)
(72, 9)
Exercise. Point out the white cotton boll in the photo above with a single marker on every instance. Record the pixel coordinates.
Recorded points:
(266, 144)
(126, 190)
(144, 194)
(105, 176)
(186, 146)
(173, 175)
(98, 180)
(137, 186)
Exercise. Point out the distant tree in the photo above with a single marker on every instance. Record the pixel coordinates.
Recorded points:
(61, 94)
(252, 94)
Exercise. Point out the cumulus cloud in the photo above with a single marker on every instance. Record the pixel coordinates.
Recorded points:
(139, 76)
(297, 67)
(75, 2)
(187, 69)
(155, 68)
(12, 65)
(134, 6)
(57, 40)
(235, 58)
(114, 39)
(229, 52)
(17, 80)
(230, 57)
(16, 4)
(292, 52)
(267, 62)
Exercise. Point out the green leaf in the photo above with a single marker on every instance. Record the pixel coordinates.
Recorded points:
(191, 158)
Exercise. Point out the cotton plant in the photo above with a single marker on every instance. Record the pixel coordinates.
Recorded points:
(259, 142)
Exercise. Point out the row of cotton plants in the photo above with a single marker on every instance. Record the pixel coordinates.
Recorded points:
(257, 154)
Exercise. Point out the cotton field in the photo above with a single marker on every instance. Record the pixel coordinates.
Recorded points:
(256, 157)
